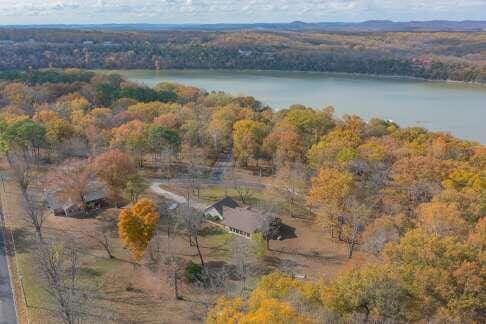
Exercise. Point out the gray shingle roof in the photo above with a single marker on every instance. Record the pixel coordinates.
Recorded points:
(55, 202)
(243, 219)
(225, 202)
(55, 199)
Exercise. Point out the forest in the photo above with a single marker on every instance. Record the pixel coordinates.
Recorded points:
(457, 56)
(405, 206)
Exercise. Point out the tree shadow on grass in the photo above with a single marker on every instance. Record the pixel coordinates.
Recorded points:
(287, 232)
(280, 263)
(313, 255)
(24, 241)
(211, 230)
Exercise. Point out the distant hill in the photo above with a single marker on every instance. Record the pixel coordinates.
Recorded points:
(366, 26)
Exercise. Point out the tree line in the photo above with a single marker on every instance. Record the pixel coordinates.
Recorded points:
(436, 56)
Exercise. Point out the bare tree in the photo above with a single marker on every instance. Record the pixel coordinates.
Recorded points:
(104, 233)
(289, 186)
(135, 186)
(270, 227)
(173, 266)
(60, 268)
(167, 264)
(196, 164)
(243, 257)
(34, 211)
(244, 190)
(380, 232)
(192, 221)
(73, 179)
(22, 166)
(354, 222)
(213, 285)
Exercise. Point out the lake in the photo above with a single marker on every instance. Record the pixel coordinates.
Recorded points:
(456, 108)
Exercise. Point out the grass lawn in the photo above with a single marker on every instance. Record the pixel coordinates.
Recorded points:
(31, 298)
(218, 242)
(213, 193)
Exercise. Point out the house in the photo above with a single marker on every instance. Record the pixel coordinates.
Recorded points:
(242, 221)
(228, 214)
(216, 210)
(244, 52)
(60, 205)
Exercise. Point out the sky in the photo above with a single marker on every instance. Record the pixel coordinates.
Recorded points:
(233, 11)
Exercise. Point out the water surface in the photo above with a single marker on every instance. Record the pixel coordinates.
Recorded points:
(455, 108)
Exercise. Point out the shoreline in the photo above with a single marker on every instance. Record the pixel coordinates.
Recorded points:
(429, 98)
(323, 73)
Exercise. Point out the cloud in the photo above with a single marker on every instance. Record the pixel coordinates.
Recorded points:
(207, 11)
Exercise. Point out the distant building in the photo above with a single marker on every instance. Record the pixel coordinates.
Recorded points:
(88, 42)
(244, 52)
(108, 43)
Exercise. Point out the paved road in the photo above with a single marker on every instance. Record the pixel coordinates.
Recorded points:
(224, 162)
(7, 308)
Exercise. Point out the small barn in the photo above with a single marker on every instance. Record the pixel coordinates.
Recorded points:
(61, 205)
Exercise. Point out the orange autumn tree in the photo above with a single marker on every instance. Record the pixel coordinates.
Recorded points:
(136, 226)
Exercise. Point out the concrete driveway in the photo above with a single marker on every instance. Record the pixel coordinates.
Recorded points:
(155, 188)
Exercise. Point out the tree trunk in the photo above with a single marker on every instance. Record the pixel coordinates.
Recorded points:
(174, 282)
(350, 249)
(367, 313)
(340, 232)
(291, 207)
(352, 242)
(199, 251)
(106, 245)
(243, 285)
(190, 239)
(140, 160)
(38, 230)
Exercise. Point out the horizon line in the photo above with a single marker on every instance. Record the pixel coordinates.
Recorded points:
(251, 23)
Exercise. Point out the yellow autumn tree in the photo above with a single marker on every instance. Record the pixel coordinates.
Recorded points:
(440, 218)
(269, 303)
(226, 311)
(272, 311)
(136, 226)
(330, 186)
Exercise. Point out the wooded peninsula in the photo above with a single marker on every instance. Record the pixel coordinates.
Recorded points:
(457, 56)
